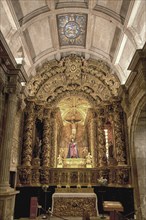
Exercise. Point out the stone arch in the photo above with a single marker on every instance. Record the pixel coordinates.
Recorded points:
(138, 155)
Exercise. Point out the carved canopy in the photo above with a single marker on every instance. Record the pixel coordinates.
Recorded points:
(93, 80)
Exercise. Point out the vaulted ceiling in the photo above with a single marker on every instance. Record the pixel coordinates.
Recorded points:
(41, 30)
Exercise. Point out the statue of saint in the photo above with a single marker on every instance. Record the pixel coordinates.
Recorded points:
(60, 161)
(72, 149)
(37, 148)
(89, 158)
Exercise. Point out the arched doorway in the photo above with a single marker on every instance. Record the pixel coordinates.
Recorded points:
(138, 153)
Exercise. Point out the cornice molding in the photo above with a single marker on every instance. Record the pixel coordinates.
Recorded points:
(8, 63)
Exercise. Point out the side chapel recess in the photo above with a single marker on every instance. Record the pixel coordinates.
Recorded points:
(95, 82)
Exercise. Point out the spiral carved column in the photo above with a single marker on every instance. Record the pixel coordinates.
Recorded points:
(46, 150)
(93, 138)
(28, 134)
(119, 143)
(25, 170)
(102, 159)
(54, 138)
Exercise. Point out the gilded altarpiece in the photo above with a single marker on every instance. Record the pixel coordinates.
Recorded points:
(72, 104)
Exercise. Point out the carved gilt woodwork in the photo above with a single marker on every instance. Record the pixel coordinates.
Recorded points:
(88, 91)
(74, 74)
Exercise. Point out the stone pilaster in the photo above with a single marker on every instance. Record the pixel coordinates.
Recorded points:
(2, 109)
(7, 194)
(8, 135)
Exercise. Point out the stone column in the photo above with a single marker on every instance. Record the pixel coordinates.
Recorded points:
(2, 110)
(118, 134)
(102, 159)
(7, 194)
(46, 149)
(8, 135)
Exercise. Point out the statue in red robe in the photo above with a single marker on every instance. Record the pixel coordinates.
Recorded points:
(72, 150)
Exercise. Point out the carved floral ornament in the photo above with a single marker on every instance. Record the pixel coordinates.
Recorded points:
(73, 74)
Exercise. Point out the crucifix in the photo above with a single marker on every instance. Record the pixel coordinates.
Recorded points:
(73, 123)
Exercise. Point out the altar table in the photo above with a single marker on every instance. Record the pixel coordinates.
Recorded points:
(74, 204)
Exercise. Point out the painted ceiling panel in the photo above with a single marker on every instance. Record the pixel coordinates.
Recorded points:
(72, 29)
(103, 34)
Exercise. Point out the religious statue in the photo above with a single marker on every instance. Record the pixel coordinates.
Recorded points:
(59, 161)
(89, 159)
(72, 149)
(37, 148)
(74, 124)
(84, 152)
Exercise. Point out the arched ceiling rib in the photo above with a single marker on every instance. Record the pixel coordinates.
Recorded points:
(111, 28)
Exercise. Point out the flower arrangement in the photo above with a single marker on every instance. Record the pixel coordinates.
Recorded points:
(102, 181)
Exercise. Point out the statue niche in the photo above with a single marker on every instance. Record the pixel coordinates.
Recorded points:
(73, 151)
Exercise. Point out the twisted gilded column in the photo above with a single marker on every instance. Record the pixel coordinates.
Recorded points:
(93, 138)
(54, 138)
(28, 134)
(102, 159)
(46, 149)
(118, 133)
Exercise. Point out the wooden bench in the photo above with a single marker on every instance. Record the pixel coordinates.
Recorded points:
(113, 207)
